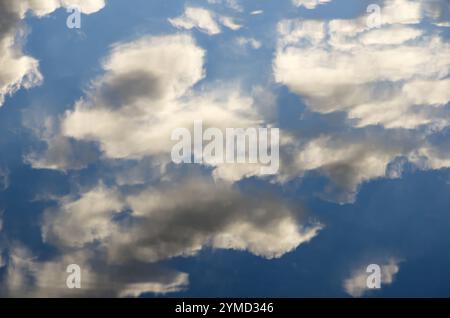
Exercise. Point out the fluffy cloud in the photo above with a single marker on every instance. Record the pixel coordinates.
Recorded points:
(336, 66)
(167, 221)
(119, 237)
(132, 110)
(25, 276)
(347, 158)
(391, 82)
(18, 70)
(356, 285)
(150, 213)
(126, 108)
(343, 65)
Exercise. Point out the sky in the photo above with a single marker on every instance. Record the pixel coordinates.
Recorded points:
(358, 89)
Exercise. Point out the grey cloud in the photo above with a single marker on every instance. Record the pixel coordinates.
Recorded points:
(64, 154)
(348, 158)
(168, 221)
(126, 89)
(54, 151)
(145, 93)
(25, 276)
(439, 10)
(120, 236)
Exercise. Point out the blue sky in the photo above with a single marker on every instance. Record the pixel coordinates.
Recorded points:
(86, 175)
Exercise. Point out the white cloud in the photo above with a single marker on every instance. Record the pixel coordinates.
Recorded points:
(204, 20)
(130, 111)
(390, 82)
(347, 158)
(356, 285)
(139, 90)
(293, 31)
(347, 67)
(349, 78)
(391, 35)
(199, 18)
(443, 24)
(309, 4)
(18, 70)
(147, 87)
(26, 276)
(230, 23)
(87, 219)
(430, 92)
(257, 12)
(402, 12)
(199, 213)
(120, 254)
(375, 76)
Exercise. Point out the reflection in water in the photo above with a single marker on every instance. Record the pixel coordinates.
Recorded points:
(129, 208)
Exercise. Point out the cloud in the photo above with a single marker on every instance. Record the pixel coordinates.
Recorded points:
(124, 108)
(26, 276)
(347, 158)
(151, 212)
(342, 65)
(204, 20)
(356, 285)
(390, 83)
(199, 18)
(439, 10)
(145, 93)
(59, 152)
(257, 12)
(249, 42)
(18, 70)
(309, 4)
(199, 213)
(230, 23)
(120, 237)
(335, 66)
